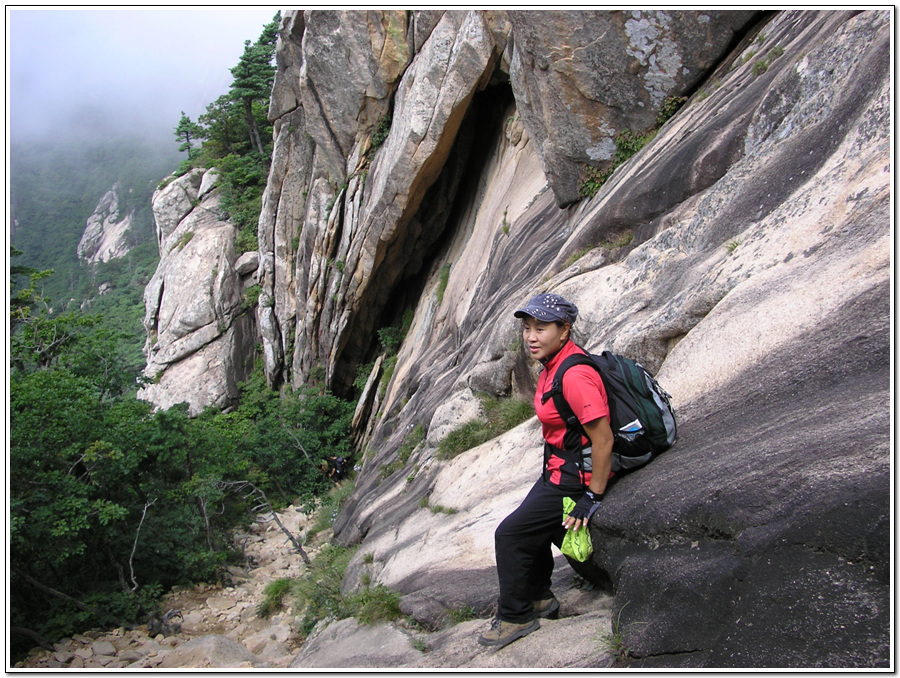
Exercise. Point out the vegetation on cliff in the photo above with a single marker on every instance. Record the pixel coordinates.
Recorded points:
(235, 136)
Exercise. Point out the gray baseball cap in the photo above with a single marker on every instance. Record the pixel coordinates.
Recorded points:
(549, 308)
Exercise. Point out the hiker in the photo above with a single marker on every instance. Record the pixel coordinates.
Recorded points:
(336, 467)
(522, 540)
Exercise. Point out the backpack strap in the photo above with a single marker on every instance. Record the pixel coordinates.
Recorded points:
(574, 430)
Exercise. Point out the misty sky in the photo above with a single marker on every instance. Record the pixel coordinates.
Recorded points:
(95, 71)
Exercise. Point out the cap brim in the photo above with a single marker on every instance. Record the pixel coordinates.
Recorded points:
(541, 314)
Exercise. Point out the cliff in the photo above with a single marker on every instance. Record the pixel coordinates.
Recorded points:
(106, 229)
(431, 163)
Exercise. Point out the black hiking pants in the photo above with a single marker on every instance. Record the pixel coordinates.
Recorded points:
(522, 547)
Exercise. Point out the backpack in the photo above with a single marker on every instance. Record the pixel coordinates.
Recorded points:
(640, 412)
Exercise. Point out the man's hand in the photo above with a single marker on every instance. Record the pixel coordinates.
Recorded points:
(584, 509)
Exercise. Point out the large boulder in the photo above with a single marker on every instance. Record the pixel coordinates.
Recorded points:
(348, 644)
(212, 652)
(199, 334)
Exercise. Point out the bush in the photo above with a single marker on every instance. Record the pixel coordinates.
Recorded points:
(363, 372)
(460, 614)
(242, 179)
(328, 508)
(592, 179)
(251, 297)
(628, 143)
(760, 67)
(246, 240)
(391, 337)
(273, 597)
(669, 108)
(375, 604)
(464, 437)
(318, 593)
(380, 135)
(500, 415)
(507, 413)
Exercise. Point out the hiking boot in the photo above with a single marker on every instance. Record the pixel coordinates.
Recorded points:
(503, 633)
(546, 609)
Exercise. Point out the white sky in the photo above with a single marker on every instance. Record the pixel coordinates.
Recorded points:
(92, 70)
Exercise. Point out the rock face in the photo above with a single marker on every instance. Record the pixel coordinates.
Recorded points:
(104, 235)
(760, 252)
(199, 334)
(580, 77)
(351, 216)
(743, 254)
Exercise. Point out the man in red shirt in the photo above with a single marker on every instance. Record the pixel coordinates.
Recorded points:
(522, 541)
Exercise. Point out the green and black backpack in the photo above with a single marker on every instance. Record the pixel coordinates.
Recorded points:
(641, 415)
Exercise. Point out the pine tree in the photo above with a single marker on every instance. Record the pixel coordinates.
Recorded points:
(253, 78)
(223, 128)
(185, 132)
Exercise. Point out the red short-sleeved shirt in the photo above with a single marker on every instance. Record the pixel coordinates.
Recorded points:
(583, 390)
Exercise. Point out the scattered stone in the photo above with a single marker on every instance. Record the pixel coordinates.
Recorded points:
(211, 652)
(220, 603)
(129, 656)
(104, 647)
(238, 572)
(192, 620)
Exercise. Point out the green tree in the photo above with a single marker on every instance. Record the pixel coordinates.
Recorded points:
(37, 340)
(223, 126)
(62, 523)
(187, 131)
(23, 300)
(253, 78)
(234, 127)
(110, 502)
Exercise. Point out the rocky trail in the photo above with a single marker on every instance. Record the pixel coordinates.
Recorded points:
(209, 625)
(217, 626)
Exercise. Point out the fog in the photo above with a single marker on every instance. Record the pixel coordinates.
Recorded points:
(76, 73)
